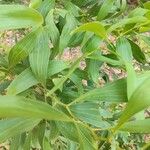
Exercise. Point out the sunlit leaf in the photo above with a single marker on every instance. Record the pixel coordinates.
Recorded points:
(22, 107)
(137, 126)
(138, 101)
(19, 16)
(95, 27)
(11, 127)
(22, 82)
(104, 10)
(39, 58)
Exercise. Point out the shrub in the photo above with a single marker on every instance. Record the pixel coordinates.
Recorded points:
(48, 102)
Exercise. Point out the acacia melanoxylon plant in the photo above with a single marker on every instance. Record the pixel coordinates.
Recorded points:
(45, 104)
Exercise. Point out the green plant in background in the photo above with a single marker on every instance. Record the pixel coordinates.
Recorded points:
(44, 103)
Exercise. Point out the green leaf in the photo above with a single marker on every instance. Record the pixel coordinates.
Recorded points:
(19, 16)
(23, 48)
(147, 5)
(89, 112)
(22, 107)
(131, 79)
(126, 21)
(85, 138)
(68, 74)
(56, 66)
(46, 144)
(27, 79)
(35, 3)
(27, 144)
(77, 81)
(104, 10)
(12, 127)
(137, 52)
(137, 126)
(92, 44)
(124, 50)
(138, 101)
(51, 28)
(111, 92)
(22, 82)
(39, 58)
(65, 36)
(77, 133)
(46, 6)
(93, 68)
(95, 27)
(97, 56)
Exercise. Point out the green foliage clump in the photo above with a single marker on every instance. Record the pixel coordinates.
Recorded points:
(48, 102)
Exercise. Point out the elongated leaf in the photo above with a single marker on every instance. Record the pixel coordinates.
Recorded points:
(14, 106)
(27, 144)
(85, 138)
(97, 56)
(27, 79)
(111, 92)
(104, 10)
(46, 6)
(138, 126)
(131, 79)
(12, 127)
(22, 82)
(35, 3)
(65, 37)
(92, 44)
(137, 52)
(46, 144)
(133, 20)
(77, 81)
(18, 16)
(23, 48)
(56, 66)
(77, 133)
(63, 79)
(95, 27)
(123, 48)
(89, 113)
(51, 28)
(138, 101)
(39, 58)
(93, 67)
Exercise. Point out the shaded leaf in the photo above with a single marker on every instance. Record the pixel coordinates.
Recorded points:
(137, 52)
(23, 48)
